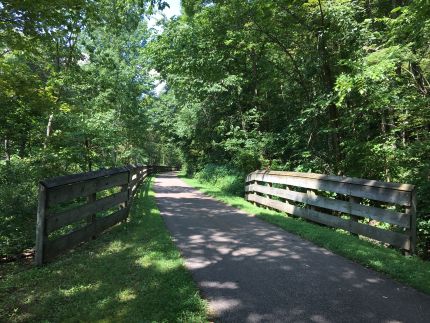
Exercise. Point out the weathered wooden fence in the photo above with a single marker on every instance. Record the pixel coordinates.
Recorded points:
(340, 202)
(72, 209)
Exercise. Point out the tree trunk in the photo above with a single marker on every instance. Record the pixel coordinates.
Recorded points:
(88, 154)
(57, 58)
(48, 130)
(420, 81)
(7, 151)
(368, 8)
(329, 86)
(22, 145)
(383, 123)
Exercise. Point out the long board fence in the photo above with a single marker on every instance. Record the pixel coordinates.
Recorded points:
(73, 209)
(341, 202)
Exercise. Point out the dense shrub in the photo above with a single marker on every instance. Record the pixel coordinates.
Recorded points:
(18, 201)
(224, 177)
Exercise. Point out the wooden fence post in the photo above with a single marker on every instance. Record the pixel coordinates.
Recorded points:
(353, 199)
(268, 196)
(412, 212)
(126, 187)
(311, 194)
(286, 188)
(92, 217)
(40, 225)
(254, 183)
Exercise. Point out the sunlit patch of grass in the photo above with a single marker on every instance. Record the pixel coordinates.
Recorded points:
(411, 271)
(78, 289)
(114, 247)
(132, 273)
(126, 295)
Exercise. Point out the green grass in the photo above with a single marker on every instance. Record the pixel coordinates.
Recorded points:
(411, 271)
(132, 273)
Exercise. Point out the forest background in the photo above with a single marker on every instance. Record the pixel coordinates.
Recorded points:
(334, 87)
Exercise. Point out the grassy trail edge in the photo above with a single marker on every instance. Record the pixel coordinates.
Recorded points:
(133, 272)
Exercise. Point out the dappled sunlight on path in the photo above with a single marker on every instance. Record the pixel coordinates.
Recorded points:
(251, 271)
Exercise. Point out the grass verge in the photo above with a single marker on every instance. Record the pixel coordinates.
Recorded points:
(411, 271)
(132, 273)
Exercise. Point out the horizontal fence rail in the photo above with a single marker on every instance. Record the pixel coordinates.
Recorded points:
(76, 208)
(351, 204)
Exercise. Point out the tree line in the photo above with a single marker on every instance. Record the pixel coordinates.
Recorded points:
(335, 87)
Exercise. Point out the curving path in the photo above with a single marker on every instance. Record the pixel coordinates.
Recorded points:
(252, 271)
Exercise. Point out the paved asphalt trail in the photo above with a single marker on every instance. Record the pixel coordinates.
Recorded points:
(252, 271)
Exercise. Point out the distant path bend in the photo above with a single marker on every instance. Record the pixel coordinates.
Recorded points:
(252, 271)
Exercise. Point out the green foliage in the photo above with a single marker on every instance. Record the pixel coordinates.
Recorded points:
(75, 95)
(18, 199)
(335, 87)
(131, 273)
(222, 177)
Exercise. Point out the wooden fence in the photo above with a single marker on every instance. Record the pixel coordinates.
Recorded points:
(72, 209)
(341, 202)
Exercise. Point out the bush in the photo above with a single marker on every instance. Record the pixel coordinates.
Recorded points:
(18, 206)
(223, 177)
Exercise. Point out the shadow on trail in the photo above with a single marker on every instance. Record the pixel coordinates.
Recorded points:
(253, 271)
